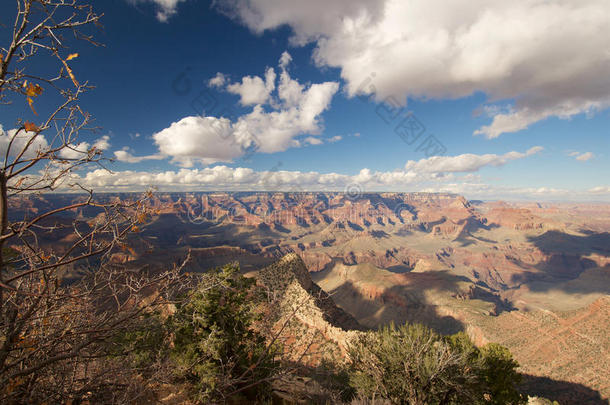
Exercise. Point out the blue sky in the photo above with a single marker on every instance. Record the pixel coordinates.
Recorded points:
(508, 123)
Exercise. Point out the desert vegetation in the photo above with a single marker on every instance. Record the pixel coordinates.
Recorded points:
(217, 347)
(55, 333)
(410, 364)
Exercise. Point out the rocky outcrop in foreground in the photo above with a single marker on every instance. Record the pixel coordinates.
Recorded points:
(314, 318)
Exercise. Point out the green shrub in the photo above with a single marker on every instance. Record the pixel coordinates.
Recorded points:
(498, 372)
(413, 365)
(215, 347)
(144, 345)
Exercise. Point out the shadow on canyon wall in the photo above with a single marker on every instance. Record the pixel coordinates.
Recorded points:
(400, 304)
(568, 258)
(564, 392)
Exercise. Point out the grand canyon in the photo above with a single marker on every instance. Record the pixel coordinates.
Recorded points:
(364, 202)
(534, 277)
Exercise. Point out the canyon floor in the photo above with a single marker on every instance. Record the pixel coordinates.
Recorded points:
(533, 277)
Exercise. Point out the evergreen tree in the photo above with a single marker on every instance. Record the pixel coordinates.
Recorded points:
(216, 348)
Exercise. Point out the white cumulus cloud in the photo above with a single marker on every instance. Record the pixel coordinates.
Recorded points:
(285, 60)
(583, 157)
(81, 150)
(165, 8)
(38, 143)
(313, 140)
(467, 162)
(102, 143)
(204, 139)
(217, 81)
(223, 178)
(425, 174)
(600, 190)
(19, 140)
(125, 155)
(252, 89)
(545, 58)
(281, 113)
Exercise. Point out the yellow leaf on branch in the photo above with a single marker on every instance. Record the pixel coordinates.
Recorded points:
(72, 76)
(72, 56)
(30, 126)
(69, 70)
(33, 90)
(31, 103)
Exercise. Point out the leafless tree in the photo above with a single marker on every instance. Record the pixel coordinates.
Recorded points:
(55, 333)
